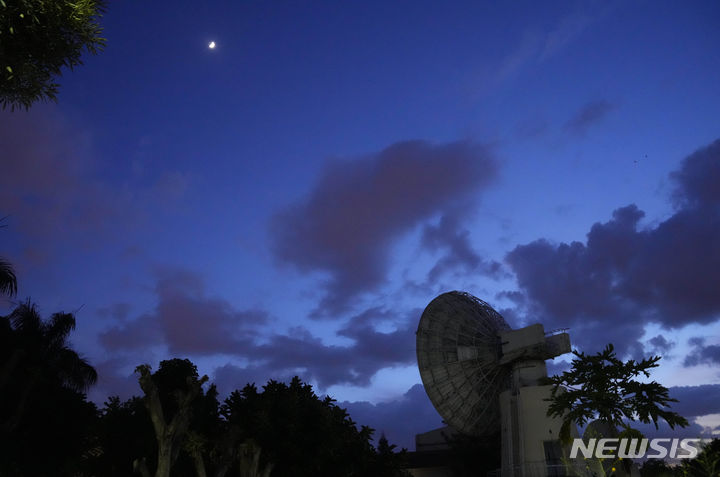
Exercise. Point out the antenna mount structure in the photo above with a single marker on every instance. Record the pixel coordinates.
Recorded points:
(482, 376)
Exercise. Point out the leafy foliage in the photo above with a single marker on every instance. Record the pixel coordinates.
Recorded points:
(301, 434)
(283, 430)
(604, 387)
(280, 430)
(122, 431)
(8, 280)
(38, 38)
(40, 374)
(706, 464)
(389, 463)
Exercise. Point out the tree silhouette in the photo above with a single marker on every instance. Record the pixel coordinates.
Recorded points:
(38, 38)
(658, 468)
(389, 463)
(303, 434)
(169, 402)
(8, 280)
(177, 428)
(43, 411)
(121, 433)
(604, 387)
(706, 463)
(37, 352)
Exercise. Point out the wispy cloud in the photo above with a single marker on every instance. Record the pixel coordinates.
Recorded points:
(188, 322)
(349, 221)
(535, 47)
(588, 115)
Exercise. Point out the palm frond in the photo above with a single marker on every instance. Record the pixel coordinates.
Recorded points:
(59, 328)
(74, 370)
(26, 318)
(8, 280)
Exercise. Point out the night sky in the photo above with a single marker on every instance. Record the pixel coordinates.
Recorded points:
(289, 201)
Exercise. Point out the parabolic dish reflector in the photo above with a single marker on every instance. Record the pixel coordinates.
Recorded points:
(458, 352)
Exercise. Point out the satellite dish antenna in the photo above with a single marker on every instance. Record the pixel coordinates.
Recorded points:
(484, 377)
(458, 353)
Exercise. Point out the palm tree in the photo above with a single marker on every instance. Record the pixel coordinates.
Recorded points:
(8, 281)
(36, 353)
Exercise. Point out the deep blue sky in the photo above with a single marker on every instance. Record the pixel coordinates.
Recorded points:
(289, 202)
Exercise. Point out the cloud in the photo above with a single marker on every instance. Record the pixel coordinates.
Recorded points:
(694, 401)
(694, 430)
(659, 344)
(186, 320)
(346, 225)
(534, 47)
(55, 191)
(46, 184)
(702, 353)
(566, 31)
(117, 311)
(448, 236)
(623, 276)
(115, 378)
(399, 419)
(588, 115)
(190, 323)
(525, 52)
(698, 178)
(299, 353)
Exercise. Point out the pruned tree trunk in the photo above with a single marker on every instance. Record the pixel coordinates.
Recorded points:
(170, 435)
(165, 457)
(250, 461)
(199, 462)
(195, 445)
(140, 466)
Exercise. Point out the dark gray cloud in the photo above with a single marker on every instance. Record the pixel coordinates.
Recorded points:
(117, 311)
(693, 402)
(116, 378)
(696, 401)
(693, 430)
(591, 113)
(702, 353)
(399, 419)
(53, 188)
(449, 237)
(698, 180)
(299, 353)
(46, 183)
(348, 222)
(190, 323)
(659, 344)
(558, 366)
(623, 276)
(186, 320)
